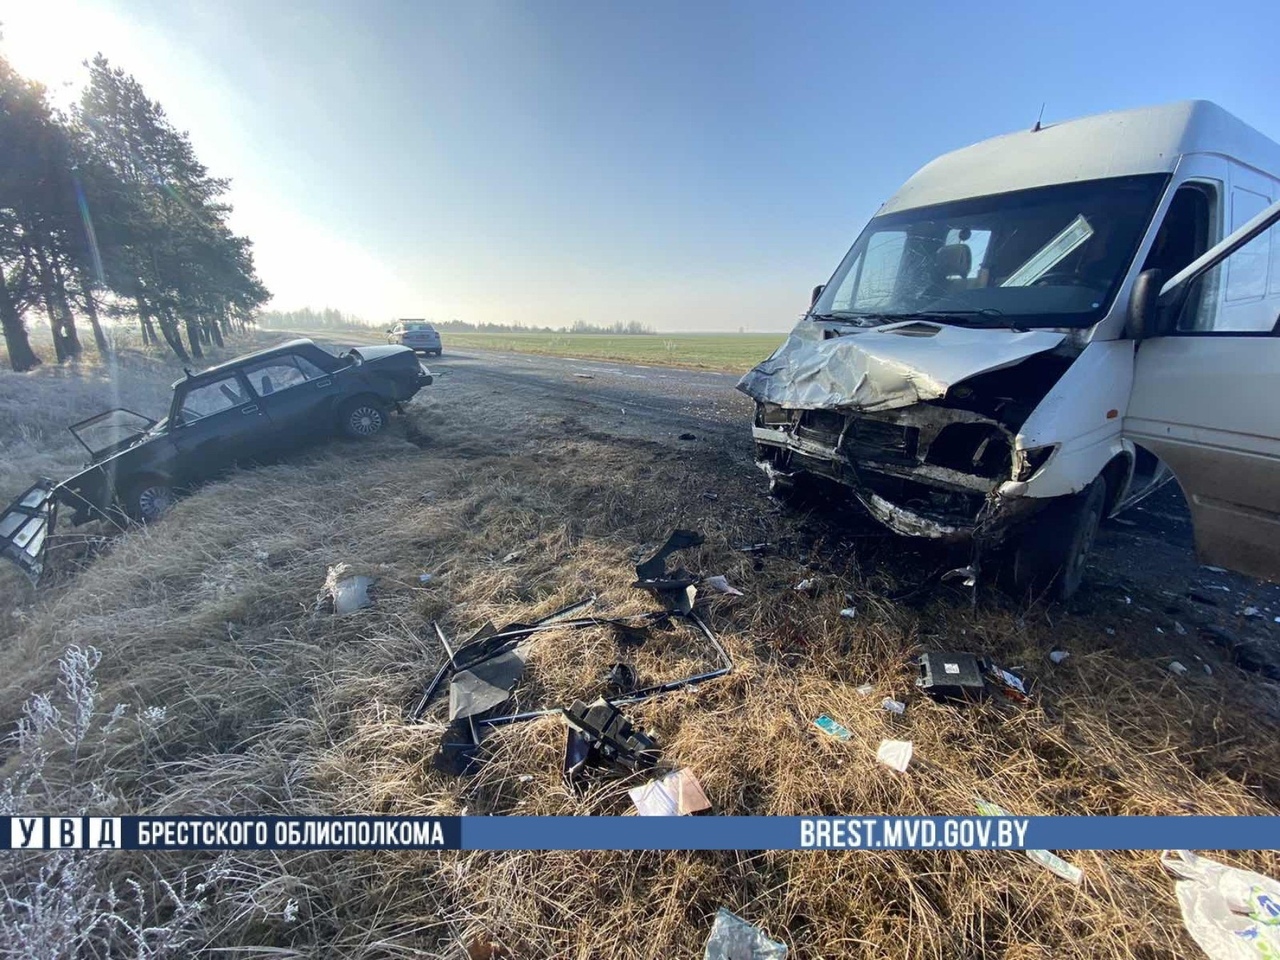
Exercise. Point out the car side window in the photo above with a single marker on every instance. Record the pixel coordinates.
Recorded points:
(212, 397)
(309, 369)
(271, 376)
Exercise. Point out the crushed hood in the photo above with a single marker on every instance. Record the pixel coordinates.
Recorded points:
(832, 365)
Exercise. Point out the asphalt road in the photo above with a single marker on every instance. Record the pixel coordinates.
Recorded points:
(1151, 545)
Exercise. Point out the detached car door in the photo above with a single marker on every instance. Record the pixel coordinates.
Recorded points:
(217, 422)
(297, 395)
(1206, 394)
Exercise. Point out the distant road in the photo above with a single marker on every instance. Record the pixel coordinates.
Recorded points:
(1150, 545)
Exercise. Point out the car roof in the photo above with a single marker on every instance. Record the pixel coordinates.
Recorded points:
(1117, 144)
(263, 354)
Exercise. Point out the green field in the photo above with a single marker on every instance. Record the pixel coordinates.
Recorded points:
(703, 351)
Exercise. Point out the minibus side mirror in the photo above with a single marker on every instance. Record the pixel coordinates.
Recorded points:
(817, 292)
(1142, 305)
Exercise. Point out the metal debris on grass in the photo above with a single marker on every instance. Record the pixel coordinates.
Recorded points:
(343, 594)
(733, 938)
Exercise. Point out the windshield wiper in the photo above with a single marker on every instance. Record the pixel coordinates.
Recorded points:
(858, 319)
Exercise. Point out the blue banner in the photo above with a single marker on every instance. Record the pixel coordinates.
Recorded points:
(640, 833)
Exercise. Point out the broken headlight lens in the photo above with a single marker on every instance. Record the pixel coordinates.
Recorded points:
(772, 415)
(1030, 461)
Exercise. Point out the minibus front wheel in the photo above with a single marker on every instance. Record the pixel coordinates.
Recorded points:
(1050, 554)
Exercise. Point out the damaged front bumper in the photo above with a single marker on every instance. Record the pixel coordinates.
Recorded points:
(922, 471)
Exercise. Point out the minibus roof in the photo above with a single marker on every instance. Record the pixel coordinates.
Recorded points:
(1118, 144)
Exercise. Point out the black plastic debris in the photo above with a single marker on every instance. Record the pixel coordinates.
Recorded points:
(599, 735)
(621, 679)
(676, 588)
(688, 436)
(950, 675)
(486, 685)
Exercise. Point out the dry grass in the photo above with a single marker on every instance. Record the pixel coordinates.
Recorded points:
(272, 707)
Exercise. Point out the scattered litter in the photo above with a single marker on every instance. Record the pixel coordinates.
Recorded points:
(525, 777)
(585, 376)
(1177, 668)
(1218, 586)
(1179, 629)
(1127, 600)
(1251, 612)
(1049, 861)
(513, 555)
(600, 736)
(1277, 619)
(342, 594)
(1213, 569)
(424, 577)
(261, 556)
(732, 938)
(894, 706)
(710, 495)
(754, 548)
(1208, 670)
(1057, 656)
(1159, 630)
(849, 613)
(831, 728)
(895, 754)
(865, 690)
(678, 794)
(688, 436)
(1231, 913)
(808, 585)
(719, 584)
(1111, 631)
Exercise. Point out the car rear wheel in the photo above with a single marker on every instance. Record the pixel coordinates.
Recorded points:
(149, 500)
(1052, 553)
(362, 418)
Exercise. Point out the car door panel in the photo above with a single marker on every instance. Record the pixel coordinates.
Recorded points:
(1204, 402)
(300, 399)
(210, 440)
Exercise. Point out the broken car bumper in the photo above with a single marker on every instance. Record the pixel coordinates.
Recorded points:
(909, 497)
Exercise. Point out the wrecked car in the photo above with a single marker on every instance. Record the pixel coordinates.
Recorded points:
(1037, 331)
(248, 409)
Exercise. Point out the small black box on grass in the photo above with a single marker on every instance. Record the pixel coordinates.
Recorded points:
(952, 676)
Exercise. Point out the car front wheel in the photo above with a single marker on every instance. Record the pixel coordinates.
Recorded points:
(149, 500)
(363, 418)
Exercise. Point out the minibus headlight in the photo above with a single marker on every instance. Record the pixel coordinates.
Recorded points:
(1031, 460)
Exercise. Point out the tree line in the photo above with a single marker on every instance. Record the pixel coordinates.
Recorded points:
(331, 319)
(106, 213)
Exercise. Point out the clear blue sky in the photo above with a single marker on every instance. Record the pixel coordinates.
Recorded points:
(694, 166)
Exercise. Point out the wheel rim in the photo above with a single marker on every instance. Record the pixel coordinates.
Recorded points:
(153, 501)
(365, 421)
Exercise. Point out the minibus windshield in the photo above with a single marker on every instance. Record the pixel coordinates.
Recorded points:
(1046, 257)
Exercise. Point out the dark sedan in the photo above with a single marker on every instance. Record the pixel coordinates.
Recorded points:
(249, 409)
